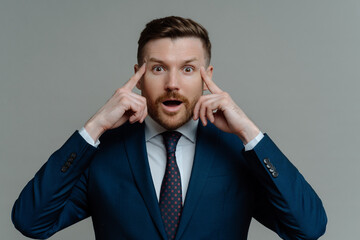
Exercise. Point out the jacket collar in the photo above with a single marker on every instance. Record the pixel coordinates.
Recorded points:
(136, 153)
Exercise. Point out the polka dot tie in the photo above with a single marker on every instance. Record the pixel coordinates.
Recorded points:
(170, 194)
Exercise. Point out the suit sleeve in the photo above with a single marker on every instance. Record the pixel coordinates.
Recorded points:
(285, 202)
(56, 197)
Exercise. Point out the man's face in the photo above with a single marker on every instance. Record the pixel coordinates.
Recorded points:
(172, 83)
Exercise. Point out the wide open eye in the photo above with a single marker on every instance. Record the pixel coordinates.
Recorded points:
(158, 69)
(188, 69)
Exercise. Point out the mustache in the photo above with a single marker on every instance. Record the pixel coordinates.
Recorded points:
(172, 95)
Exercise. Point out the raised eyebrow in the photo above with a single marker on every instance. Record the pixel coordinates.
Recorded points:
(190, 60)
(162, 62)
(156, 60)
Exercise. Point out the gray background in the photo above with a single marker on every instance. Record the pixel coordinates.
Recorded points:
(293, 66)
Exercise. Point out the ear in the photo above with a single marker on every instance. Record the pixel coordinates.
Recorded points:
(139, 83)
(209, 72)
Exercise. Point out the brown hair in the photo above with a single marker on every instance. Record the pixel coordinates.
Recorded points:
(173, 27)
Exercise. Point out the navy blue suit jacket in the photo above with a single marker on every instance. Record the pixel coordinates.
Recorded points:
(113, 185)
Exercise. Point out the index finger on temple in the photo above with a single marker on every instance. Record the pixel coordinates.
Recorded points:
(213, 88)
(135, 78)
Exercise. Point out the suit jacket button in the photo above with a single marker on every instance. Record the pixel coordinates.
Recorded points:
(269, 165)
(64, 169)
(266, 160)
(275, 174)
(73, 155)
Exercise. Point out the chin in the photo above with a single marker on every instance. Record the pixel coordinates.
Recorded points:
(171, 122)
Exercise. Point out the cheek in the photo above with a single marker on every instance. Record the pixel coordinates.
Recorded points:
(194, 84)
(151, 80)
(151, 86)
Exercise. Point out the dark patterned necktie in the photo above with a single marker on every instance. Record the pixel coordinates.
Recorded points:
(170, 194)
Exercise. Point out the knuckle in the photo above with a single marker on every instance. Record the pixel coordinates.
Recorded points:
(123, 98)
(119, 91)
(143, 99)
(136, 107)
(202, 98)
(225, 94)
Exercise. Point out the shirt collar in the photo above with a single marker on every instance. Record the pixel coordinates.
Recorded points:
(153, 129)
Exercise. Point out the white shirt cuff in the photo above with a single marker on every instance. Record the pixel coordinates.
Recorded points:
(250, 145)
(88, 138)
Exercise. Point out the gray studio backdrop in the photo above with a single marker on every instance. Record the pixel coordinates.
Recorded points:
(293, 66)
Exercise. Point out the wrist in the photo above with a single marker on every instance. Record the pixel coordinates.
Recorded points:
(94, 130)
(249, 133)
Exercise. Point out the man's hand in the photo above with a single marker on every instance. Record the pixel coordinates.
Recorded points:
(220, 109)
(124, 105)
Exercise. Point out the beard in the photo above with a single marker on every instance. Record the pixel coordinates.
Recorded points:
(171, 120)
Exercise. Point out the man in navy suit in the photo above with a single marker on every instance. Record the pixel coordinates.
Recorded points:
(226, 170)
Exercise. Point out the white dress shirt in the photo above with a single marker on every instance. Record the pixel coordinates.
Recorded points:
(185, 151)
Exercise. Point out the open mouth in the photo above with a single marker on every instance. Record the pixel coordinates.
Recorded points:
(172, 103)
(172, 106)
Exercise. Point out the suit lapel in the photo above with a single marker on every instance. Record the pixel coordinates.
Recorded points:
(137, 156)
(202, 162)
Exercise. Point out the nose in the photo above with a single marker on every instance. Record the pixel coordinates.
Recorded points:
(172, 81)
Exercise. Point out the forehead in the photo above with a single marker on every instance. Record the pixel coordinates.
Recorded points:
(175, 50)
